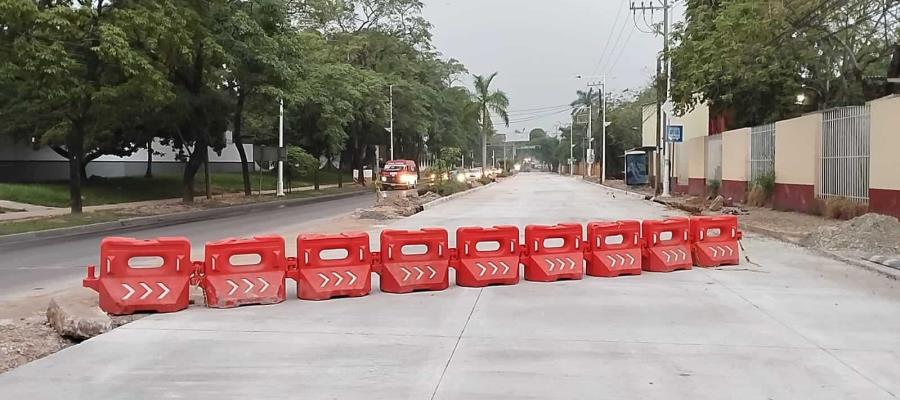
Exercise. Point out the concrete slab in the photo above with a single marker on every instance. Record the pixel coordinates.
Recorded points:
(790, 324)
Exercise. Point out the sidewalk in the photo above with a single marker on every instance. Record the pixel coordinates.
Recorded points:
(33, 211)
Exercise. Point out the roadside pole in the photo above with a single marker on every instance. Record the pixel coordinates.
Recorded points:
(280, 186)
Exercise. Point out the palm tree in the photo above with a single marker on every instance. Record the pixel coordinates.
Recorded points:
(488, 102)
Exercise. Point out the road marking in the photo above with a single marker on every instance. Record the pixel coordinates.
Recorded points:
(249, 285)
(164, 288)
(265, 284)
(147, 290)
(483, 269)
(340, 278)
(405, 271)
(352, 278)
(325, 280)
(130, 291)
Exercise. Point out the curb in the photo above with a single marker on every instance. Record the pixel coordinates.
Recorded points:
(885, 271)
(169, 219)
(629, 193)
(441, 200)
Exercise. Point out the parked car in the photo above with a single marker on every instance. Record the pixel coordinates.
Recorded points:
(400, 173)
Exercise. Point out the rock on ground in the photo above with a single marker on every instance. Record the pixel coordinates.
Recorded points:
(872, 234)
(717, 203)
(77, 315)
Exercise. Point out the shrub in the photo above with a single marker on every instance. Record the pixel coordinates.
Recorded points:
(485, 180)
(761, 190)
(843, 208)
(713, 187)
(450, 187)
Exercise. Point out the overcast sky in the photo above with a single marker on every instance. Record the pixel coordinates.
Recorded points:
(539, 46)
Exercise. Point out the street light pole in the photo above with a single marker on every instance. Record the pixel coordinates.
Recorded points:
(590, 135)
(392, 120)
(279, 191)
(603, 140)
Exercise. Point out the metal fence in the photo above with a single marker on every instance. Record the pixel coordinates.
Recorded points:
(762, 151)
(714, 158)
(843, 154)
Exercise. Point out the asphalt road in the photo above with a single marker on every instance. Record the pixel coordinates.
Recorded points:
(789, 325)
(37, 267)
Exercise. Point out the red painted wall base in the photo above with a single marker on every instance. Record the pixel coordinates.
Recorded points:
(885, 201)
(736, 190)
(697, 186)
(794, 197)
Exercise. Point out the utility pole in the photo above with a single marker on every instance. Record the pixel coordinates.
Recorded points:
(391, 129)
(572, 146)
(590, 134)
(662, 110)
(279, 191)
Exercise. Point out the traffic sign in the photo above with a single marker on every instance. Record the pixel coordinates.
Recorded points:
(675, 133)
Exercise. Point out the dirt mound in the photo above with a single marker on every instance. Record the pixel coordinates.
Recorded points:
(428, 197)
(873, 234)
(395, 206)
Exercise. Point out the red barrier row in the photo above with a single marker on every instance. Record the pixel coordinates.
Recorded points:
(239, 272)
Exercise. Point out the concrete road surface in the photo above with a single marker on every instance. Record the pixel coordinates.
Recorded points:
(42, 266)
(789, 325)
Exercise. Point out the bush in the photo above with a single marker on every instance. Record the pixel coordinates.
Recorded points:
(713, 187)
(843, 208)
(485, 180)
(761, 190)
(449, 187)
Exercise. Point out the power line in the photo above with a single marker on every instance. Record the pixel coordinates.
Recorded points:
(621, 51)
(612, 30)
(616, 43)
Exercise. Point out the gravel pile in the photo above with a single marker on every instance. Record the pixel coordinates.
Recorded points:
(873, 234)
(428, 197)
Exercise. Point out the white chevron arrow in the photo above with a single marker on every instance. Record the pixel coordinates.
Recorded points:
(668, 257)
(715, 252)
(405, 271)
(571, 263)
(339, 277)
(494, 266)
(352, 278)
(433, 271)
(418, 277)
(630, 258)
(621, 258)
(249, 285)
(552, 265)
(325, 280)
(130, 291)
(562, 264)
(505, 267)
(147, 290)
(265, 284)
(683, 255)
(164, 288)
(234, 287)
(612, 261)
(482, 267)
(730, 251)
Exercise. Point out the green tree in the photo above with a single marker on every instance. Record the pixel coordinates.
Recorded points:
(489, 102)
(77, 75)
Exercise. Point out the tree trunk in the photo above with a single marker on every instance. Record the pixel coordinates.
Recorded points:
(339, 172)
(190, 171)
(238, 123)
(149, 173)
(74, 144)
(316, 179)
(206, 174)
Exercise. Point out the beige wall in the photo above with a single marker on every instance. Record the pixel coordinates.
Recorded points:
(695, 151)
(796, 144)
(884, 153)
(696, 122)
(736, 155)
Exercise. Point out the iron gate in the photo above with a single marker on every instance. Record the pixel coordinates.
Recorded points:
(762, 151)
(843, 154)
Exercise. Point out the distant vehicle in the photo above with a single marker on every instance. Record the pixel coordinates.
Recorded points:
(400, 173)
